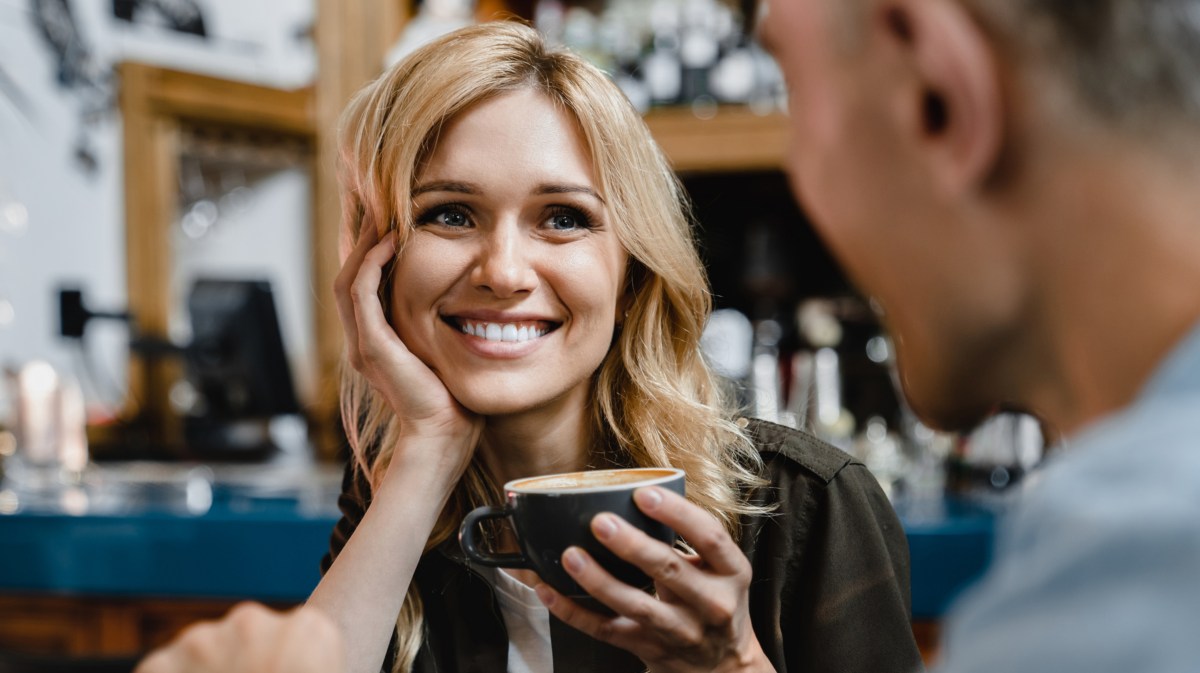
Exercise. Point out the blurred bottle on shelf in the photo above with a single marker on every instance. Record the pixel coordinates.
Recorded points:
(434, 18)
(669, 52)
(49, 448)
(814, 400)
(995, 456)
(805, 386)
(883, 451)
(766, 383)
(728, 347)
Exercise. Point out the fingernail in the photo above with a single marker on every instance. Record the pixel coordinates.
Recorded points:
(545, 595)
(604, 526)
(573, 559)
(648, 498)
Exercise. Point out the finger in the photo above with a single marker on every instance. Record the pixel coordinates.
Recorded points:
(345, 280)
(368, 236)
(620, 631)
(248, 614)
(199, 648)
(368, 311)
(700, 529)
(713, 598)
(629, 601)
(162, 660)
(665, 593)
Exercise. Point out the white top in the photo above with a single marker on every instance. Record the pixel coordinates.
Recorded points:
(528, 624)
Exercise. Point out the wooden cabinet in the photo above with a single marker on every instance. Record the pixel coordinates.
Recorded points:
(98, 626)
(132, 626)
(734, 140)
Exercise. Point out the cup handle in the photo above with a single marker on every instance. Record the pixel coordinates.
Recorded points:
(466, 539)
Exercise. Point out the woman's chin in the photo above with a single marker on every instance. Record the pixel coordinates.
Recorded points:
(514, 400)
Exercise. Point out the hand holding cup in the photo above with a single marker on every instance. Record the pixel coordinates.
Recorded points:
(698, 621)
(553, 513)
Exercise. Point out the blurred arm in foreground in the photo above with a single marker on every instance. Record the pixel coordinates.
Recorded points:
(253, 639)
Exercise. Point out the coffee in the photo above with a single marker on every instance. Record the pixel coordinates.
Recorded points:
(592, 479)
(553, 512)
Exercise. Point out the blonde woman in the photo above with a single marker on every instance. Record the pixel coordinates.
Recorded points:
(521, 295)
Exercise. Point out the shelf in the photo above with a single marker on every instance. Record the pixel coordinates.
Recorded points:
(216, 101)
(735, 139)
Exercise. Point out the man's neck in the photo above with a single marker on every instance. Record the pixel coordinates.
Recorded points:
(1117, 253)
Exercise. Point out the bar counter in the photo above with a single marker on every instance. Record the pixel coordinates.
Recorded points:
(228, 533)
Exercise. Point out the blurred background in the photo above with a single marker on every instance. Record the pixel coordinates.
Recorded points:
(169, 440)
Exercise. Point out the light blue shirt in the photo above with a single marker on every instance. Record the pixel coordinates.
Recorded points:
(1097, 567)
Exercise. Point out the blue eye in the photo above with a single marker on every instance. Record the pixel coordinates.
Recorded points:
(562, 222)
(451, 218)
(446, 216)
(568, 219)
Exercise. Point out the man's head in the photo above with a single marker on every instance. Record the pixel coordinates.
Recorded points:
(933, 144)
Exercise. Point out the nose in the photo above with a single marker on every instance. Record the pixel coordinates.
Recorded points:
(504, 266)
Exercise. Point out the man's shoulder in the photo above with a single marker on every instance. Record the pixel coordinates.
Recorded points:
(1142, 453)
(1095, 562)
(797, 449)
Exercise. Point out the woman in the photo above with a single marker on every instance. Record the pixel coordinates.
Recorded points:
(523, 296)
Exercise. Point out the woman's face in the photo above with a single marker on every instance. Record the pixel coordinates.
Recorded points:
(509, 285)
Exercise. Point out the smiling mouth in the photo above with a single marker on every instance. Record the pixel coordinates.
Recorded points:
(513, 332)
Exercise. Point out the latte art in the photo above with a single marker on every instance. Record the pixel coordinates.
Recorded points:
(591, 479)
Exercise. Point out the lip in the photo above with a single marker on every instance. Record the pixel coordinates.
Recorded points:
(488, 315)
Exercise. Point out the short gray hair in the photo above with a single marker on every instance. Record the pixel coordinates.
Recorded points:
(1135, 63)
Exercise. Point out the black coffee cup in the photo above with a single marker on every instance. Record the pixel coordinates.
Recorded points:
(553, 512)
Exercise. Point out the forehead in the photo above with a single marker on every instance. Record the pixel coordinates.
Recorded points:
(511, 136)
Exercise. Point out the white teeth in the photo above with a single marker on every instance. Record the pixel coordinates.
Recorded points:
(510, 332)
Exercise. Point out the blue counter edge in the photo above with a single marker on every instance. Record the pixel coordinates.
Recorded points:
(268, 558)
(276, 556)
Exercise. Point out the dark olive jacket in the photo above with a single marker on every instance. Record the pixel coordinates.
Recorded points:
(830, 591)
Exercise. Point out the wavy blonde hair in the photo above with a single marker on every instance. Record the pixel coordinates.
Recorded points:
(655, 401)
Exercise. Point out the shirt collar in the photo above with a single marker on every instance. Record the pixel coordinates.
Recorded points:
(1179, 372)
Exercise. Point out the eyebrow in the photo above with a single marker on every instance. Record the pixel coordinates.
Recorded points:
(446, 186)
(568, 189)
(474, 190)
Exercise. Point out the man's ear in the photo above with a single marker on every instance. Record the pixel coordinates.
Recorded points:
(957, 101)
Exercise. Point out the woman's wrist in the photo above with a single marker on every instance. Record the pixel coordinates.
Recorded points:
(754, 660)
(426, 467)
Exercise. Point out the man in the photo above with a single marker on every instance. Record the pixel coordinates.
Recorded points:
(1014, 182)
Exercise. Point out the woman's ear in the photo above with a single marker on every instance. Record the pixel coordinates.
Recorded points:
(956, 96)
(625, 299)
(624, 303)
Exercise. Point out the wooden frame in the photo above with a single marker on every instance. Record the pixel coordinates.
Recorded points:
(155, 105)
(731, 141)
(352, 38)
